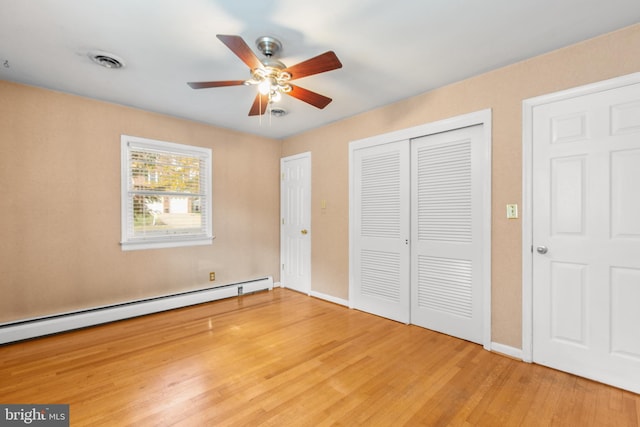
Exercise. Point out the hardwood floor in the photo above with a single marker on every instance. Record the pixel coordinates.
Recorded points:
(284, 359)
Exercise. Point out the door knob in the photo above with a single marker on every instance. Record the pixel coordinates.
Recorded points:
(304, 231)
(542, 250)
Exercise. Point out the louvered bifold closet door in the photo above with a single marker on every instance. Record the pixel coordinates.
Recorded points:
(446, 191)
(381, 250)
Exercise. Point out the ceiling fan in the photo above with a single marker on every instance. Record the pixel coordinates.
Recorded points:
(273, 77)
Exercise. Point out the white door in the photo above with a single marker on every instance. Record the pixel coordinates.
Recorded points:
(380, 256)
(447, 232)
(586, 235)
(295, 222)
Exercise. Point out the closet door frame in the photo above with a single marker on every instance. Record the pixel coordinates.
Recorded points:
(483, 118)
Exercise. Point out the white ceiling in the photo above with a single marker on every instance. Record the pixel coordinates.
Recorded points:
(390, 50)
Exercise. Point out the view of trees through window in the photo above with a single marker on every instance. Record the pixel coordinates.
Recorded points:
(165, 190)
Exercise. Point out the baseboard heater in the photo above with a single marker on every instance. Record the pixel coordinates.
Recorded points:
(31, 328)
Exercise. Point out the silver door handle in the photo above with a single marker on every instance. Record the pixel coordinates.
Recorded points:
(542, 250)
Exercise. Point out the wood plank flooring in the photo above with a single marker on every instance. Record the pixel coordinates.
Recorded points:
(281, 358)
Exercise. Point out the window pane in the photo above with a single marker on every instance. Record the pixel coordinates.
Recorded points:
(169, 172)
(163, 215)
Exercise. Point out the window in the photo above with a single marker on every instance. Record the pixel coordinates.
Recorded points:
(166, 194)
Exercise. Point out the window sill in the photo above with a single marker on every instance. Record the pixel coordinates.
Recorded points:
(165, 243)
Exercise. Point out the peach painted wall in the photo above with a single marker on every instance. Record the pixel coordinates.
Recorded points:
(503, 91)
(60, 206)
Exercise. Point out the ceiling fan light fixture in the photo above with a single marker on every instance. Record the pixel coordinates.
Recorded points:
(284, 88)
(265, 87)
(275, 96)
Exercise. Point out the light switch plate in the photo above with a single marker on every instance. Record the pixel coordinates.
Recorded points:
(512, 211)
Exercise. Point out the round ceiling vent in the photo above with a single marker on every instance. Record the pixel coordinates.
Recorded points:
(278, 112)
(107, 60)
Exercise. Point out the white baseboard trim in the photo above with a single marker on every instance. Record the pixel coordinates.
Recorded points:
(516, 353)
(31, 328)
(329, 298)
(277, 285)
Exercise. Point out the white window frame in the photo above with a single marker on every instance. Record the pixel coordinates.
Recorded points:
(128, 242)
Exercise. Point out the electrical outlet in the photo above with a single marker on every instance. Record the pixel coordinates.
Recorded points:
(212, 276)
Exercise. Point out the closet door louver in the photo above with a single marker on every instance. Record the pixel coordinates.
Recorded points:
(381, 264)
(444, 192)
(446, 227)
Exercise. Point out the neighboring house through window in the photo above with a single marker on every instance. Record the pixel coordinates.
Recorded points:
(166, 194)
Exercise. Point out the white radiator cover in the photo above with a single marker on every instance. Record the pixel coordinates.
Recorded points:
(31, 328)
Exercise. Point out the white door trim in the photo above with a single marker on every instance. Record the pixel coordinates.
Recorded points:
(307, 155)
(482, 117)
(527, 192)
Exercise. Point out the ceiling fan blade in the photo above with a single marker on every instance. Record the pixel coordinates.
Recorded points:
(259, 105)
(204, 85)
(241, 49)
(319, 64)
(315, 99)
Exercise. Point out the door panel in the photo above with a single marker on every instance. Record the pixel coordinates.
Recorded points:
(625, 295)
(381, 213)
(296, 222)
(625, 180)
(567, 195)
(586, 212)
(444, 285)
(568, 300)
(446, 250)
